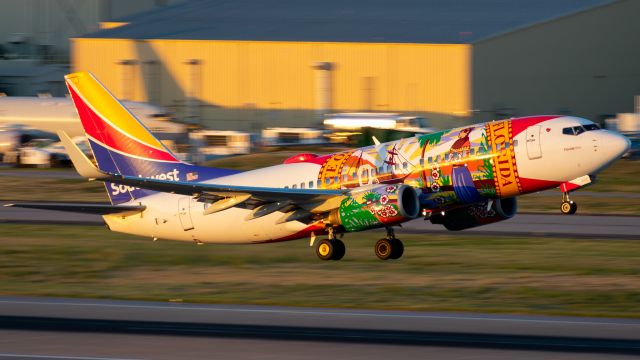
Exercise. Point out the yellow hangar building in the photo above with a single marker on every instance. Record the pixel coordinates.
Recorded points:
(247, 64)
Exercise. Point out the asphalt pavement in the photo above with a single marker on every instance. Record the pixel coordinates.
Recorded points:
(50, 328)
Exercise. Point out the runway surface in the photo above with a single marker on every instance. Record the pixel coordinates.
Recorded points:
(50, 328)
(584, 226)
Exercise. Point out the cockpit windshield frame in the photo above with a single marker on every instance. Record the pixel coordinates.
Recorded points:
(577, 130)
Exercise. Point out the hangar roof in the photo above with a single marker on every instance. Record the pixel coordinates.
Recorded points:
(380, 21)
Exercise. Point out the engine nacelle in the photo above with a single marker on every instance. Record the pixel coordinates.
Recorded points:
(477, 215)
(376, 205)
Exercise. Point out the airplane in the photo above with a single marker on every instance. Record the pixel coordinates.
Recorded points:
(55, 113)
(460, 178)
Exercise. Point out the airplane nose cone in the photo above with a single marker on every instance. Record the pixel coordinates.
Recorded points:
(617, 145)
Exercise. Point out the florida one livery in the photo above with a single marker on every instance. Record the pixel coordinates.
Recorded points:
(460, 178)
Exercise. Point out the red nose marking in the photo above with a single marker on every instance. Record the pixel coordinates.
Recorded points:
(548, 129)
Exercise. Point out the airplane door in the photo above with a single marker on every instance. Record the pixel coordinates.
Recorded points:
(534, 150)
(184, 213)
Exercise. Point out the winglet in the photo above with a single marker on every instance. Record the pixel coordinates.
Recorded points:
(83, 165)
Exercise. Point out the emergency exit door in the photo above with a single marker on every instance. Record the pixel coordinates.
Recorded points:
(184, 213)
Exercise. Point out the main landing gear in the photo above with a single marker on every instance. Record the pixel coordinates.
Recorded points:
(385, 249)
(389, 247)
(331, 248)
(568, 207)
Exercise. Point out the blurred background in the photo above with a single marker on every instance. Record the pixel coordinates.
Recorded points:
(259, 73)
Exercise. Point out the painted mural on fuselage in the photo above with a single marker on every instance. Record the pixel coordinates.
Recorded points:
(452, 167)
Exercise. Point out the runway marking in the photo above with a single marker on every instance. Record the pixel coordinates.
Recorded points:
(35, 356)
(188, 307)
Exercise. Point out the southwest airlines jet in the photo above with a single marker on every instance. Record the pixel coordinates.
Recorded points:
(460, 178)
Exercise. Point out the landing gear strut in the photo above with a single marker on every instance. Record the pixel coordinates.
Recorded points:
(331, 248)
(568, 207)
(389, 247)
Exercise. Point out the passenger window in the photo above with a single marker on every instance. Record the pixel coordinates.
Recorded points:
(353, 175)
(507, 145)
(319, 183)
(405, 165)
(311, 184)
(336, 179)
(421, 162)
(498, 146)
(345, 178)
(327, 181)
(286, 186)
(437, 159)
(302, 185)
(373, 172)
(430, 160)
(446, 157)
(294, 186)
(515, 143)
(472, 151)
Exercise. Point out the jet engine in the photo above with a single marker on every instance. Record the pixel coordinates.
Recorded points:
(477, 214)
(375, 206)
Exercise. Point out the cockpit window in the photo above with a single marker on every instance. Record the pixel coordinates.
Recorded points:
(577, 130)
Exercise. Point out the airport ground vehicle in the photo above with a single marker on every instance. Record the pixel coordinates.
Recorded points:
(460, 178)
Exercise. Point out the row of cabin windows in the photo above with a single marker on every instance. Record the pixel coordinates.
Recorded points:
(366, 173)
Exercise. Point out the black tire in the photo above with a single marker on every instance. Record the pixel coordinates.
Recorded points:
(568, 207)
(398, 249)
(325, 249)
(383, 249)
(338, 249)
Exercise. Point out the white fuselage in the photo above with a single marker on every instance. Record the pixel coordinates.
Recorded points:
(542, 152)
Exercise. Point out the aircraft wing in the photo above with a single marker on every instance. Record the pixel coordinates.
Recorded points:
(267, 200)
(195, 189)
(87, 208)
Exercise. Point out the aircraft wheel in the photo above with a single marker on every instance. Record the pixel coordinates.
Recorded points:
(398, 249)
(325, 249)
(384, 249)
(339, 249)
(568, 207)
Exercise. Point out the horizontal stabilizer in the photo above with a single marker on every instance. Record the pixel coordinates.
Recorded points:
(87, 208)
(83, 165)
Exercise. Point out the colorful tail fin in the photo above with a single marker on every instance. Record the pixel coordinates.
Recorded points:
(119, 141)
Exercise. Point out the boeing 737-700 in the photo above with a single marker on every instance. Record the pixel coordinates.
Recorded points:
(460, 178)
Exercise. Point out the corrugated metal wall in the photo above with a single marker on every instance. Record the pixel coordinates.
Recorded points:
(585, 64)
(280, 75)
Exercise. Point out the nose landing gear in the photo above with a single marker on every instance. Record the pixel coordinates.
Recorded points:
(568, 207)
